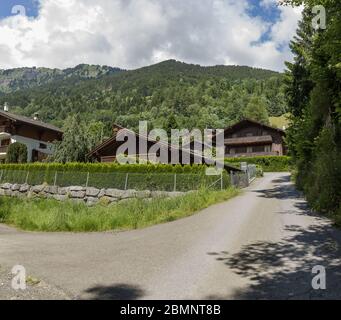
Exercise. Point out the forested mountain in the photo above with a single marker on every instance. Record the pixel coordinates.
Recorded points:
(12, 80)
(169, 94)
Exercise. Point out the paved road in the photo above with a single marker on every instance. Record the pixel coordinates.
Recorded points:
(262, 244)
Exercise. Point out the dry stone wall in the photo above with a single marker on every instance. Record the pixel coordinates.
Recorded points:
(90, 196)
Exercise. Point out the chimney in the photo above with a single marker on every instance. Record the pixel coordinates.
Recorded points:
(6, 109)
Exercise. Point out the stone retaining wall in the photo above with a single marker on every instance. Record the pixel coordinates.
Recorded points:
(90, 196)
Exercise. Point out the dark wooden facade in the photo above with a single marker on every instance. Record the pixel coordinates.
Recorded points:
(249, 138)
(107, 151)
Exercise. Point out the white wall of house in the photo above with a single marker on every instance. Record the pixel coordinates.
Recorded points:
(33, 144)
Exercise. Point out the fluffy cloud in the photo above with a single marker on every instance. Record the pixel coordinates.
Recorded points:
(134, 33)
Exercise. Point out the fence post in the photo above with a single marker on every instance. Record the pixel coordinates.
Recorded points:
(87, 179)
(175, 182)
(55, 179)
(232, 180)
(2, 172)
(222, 182)
(126, 183)
(26, 180)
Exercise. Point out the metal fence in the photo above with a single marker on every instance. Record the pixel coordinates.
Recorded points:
(118, 180)
(244, 178)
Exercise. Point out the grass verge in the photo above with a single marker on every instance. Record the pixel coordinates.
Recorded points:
(54, 216)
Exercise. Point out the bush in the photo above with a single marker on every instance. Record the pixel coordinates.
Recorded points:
(140, 177)
(321, 184)
(105, 168)
(268, 164)
(16, 153)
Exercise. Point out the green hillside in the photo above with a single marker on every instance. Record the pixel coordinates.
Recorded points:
(12, 80)
(169, 94)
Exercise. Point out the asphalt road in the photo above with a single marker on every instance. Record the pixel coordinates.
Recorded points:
(262, 244)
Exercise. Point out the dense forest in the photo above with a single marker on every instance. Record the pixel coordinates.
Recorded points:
(314, 99)
(170, 94)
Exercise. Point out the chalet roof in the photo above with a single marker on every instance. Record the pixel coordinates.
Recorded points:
(245, 122)
(32, 122)
(118, 128)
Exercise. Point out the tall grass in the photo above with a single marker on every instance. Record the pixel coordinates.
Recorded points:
(54, 216)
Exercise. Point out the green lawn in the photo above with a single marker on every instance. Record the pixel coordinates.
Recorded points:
(54, 216)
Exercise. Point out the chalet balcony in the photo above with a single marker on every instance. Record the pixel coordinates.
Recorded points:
(251, 154)
(243, 141)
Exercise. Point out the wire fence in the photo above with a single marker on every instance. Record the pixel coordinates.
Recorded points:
(244, 178)
(117, 180)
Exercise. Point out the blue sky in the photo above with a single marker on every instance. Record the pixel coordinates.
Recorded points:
(270, 13)
(7, 5)
(135, 33)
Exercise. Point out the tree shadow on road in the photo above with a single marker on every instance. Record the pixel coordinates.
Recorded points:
(283, 270)
(282, 190)
(115, 292)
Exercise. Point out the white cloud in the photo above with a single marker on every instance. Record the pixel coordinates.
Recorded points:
(134, 33)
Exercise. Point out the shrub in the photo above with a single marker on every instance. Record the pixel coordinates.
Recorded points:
(105, 168)
(16, 153)
(268, 163)
(140, 177)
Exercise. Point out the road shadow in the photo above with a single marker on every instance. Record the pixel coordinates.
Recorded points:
(115, 292)
(283, 270)
(282, 190)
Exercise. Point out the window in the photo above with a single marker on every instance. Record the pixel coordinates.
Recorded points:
(258, 148)
(249, 150)
(267, 149)
(5, 142)
(250, 134)
(42, 146)
(241, 150)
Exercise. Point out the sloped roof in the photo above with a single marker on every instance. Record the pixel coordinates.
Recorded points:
(120, 129)
(249, 121)
(36, 123)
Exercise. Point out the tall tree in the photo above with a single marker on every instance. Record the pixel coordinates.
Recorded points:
(256, 110)
(78, 140)
(314, 98)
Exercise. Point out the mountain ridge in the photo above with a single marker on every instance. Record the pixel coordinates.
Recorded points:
(15, 79)
(167, 94)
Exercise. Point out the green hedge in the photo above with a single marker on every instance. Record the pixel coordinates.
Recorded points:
(140, 177)
(269, 163)
(105, 168)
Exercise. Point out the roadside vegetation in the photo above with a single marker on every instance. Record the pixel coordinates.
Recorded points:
(313, 95)
(53, 216)
(138, 177)
(267, 163)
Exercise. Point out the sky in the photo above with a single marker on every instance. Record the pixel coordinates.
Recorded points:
(133, 33)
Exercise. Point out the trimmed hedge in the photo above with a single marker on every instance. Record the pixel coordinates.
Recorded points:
(140, 177)
(268, 164)
(105, 168)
